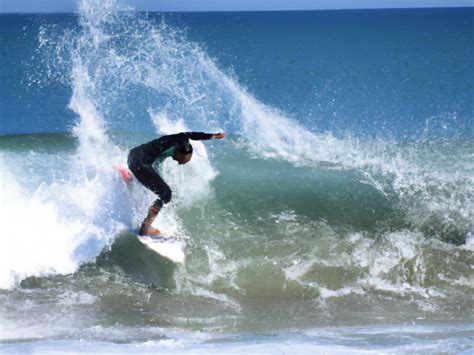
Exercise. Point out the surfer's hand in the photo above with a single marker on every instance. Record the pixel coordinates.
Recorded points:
(218, 136)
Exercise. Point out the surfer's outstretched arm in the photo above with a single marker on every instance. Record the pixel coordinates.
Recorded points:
(200, 136)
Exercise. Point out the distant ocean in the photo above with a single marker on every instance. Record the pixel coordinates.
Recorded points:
(336, 216)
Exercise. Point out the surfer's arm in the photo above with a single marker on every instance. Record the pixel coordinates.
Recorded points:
(200, 136)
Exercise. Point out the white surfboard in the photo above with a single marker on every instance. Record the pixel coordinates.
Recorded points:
(171, 247)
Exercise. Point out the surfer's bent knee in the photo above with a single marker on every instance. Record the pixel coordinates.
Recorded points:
(165, 195)
(157, 205)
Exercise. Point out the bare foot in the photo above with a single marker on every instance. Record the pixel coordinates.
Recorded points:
(149, 231)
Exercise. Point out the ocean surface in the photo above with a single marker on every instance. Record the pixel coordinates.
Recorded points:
(336, 216)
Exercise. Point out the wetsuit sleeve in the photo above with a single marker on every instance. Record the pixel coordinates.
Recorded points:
(198, 136)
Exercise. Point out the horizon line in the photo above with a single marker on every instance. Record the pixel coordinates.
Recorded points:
(258, 10)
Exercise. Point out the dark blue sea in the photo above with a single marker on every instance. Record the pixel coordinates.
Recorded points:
(336, 215)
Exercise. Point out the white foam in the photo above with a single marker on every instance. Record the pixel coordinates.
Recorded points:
(377, 339)
(387, 261)
(219, 268)
(175, 347)
(469, 241)
(70, 298)
(35, 239)
(344, 291)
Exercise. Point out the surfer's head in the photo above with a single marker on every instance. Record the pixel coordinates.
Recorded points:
(183, 154)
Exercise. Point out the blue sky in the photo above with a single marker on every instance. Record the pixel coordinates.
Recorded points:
(229, 5)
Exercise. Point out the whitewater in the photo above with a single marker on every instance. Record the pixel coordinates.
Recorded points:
(307, 231)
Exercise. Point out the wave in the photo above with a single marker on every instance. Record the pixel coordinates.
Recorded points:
(278, 209)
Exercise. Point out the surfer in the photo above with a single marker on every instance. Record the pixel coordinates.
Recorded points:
(142, 158)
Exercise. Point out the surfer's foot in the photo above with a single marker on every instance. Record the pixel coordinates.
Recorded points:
(149, 231)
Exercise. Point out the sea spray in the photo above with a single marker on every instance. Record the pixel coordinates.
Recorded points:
(75, 218)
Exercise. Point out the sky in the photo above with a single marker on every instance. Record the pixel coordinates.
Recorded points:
(229, 5)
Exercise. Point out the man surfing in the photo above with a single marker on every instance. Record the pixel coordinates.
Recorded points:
(142, 158)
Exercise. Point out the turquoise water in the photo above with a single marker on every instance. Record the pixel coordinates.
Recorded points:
(336, 216)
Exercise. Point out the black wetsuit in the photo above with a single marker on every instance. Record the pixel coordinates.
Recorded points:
(141, 159)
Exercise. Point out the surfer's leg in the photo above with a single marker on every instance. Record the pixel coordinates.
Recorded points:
(146, 175)
(151, 180)
(159, 187)
(146, 228)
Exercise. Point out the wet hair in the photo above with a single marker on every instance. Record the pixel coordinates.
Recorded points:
(185, 149)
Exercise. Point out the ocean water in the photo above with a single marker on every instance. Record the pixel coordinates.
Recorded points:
(335, 217)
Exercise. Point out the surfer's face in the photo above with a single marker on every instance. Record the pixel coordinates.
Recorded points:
(182, 158)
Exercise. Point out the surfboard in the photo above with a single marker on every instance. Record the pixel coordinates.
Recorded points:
(170, 247)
